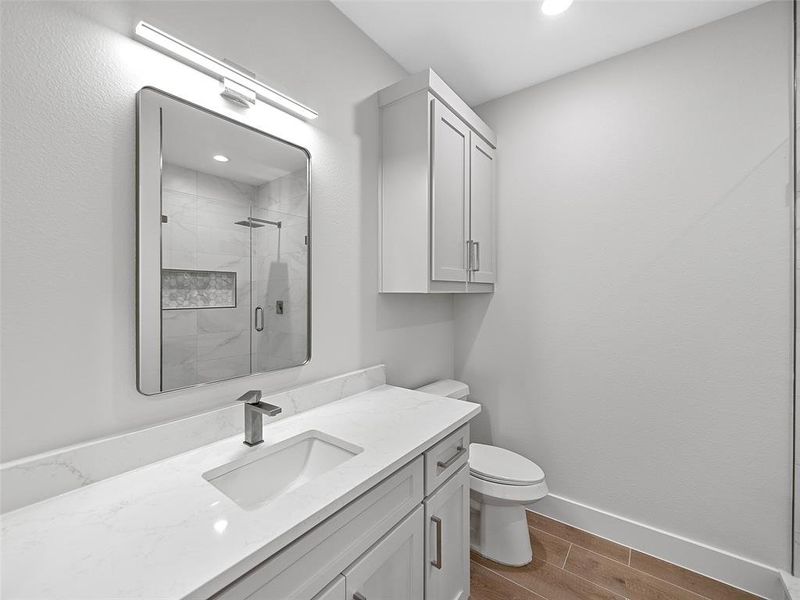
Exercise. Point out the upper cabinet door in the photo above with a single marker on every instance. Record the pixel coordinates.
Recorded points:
(450, 189)
(482, 221)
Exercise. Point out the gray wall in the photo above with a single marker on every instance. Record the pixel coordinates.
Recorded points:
(68, 191)
(639, 344)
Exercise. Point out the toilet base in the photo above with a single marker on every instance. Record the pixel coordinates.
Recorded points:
(499, 532)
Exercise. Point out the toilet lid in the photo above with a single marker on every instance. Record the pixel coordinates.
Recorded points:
(502, 466)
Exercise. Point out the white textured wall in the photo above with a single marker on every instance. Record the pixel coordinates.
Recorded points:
(638, 346)
(70, 73)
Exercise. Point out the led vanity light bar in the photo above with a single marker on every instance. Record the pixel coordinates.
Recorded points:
(239, 86)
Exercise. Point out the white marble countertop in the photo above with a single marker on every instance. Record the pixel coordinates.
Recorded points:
(162, 531)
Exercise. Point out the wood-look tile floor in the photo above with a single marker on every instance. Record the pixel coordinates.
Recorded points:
(571, 564)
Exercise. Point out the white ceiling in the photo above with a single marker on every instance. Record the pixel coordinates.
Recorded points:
(487, 49)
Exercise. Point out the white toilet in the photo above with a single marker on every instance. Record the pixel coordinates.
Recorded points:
(501, 484)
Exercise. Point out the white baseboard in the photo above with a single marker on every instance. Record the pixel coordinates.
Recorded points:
(718, 564)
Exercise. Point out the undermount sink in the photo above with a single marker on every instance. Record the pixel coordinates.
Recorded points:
(281, 468)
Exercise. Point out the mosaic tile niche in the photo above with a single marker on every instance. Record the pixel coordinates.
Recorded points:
(197, 289)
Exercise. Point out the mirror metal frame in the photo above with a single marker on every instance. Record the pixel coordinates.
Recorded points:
(148, 242)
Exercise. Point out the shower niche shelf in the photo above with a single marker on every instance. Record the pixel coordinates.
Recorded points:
(188, 289)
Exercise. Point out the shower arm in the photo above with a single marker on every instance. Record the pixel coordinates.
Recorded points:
(257, 220)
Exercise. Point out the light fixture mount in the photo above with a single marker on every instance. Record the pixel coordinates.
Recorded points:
(238, 94)
(235, 92)
(239, 84)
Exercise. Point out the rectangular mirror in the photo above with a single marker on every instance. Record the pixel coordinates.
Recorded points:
(223, 247)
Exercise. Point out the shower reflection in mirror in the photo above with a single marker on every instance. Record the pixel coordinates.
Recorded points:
(227, 209)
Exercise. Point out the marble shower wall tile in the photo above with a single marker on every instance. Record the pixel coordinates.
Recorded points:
(211, 346)
(231, 240)
(178, 179)
(235, 192)
(176, 323)
(179, 207)
(223, 368)
(201, 235)
(179, 361)
(287, 194)
(42, 476)
(213, 320)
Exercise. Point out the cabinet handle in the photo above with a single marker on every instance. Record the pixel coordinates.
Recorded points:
(259, 319)
(438, 562)
(473, 255)
(359, 596)
(445, 464)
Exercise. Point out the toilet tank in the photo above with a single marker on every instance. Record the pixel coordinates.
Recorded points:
(449, 388)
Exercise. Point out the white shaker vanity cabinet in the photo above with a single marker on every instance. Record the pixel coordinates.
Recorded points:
(437, 193)
(407, 538)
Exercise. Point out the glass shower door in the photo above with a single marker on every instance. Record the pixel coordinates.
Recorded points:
(280, 273)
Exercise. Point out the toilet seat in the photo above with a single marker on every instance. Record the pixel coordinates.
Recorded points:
(490, 492)
(500, 466)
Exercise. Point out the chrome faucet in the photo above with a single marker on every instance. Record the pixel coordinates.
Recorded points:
(253, 409)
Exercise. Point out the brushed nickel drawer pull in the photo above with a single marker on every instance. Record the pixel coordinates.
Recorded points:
(460, 451)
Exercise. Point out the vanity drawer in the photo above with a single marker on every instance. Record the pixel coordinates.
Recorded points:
(308, 564)
(445, 458)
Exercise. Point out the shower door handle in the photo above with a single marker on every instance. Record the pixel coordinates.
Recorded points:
(259, 319)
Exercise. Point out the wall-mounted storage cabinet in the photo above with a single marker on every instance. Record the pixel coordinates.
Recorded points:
(437, 199)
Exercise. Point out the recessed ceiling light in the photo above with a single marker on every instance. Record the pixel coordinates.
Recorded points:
(555, 7)
(221, 158)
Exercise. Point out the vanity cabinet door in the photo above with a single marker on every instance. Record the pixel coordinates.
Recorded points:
(447, 540)
(392, 568)
(450, 194)
(482, 225)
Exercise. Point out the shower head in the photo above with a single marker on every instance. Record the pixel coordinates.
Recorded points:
(253, 223)
(249, 223)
